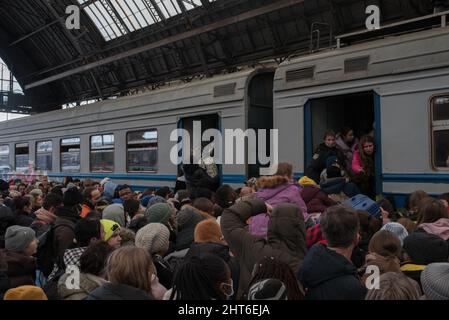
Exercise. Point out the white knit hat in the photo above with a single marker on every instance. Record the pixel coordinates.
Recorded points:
(398, 229)
(153, 237)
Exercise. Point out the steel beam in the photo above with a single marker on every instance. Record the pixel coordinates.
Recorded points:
(189, 34)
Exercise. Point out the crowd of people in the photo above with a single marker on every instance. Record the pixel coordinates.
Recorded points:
(273, 239)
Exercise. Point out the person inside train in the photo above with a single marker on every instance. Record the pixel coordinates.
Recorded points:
(346, 142)
(324, 151)
(363, 166)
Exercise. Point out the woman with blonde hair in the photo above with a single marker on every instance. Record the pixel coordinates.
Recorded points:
(131, 276)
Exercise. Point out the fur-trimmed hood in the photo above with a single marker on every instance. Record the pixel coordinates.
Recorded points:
(270, 182)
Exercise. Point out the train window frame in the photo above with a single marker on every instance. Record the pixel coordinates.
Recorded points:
(21, 145)
(61, 152)
(8, 154)
(46, 152)
(157, 150)
(437, 125)
(104, 149)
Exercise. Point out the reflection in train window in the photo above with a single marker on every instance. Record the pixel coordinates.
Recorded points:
(102, 153)
(4, 156)
(141, 149)
(440, 131)
(43, 155)
(22, 157)
(70, 155)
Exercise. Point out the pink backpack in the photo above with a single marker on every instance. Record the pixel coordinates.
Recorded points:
(258, 225)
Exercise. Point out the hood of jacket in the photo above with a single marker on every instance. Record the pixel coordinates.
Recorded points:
(286, 230)
(68, 213)
(88, 283)
(439, 228)
(110, 291)
(322, 264)
(199, 249)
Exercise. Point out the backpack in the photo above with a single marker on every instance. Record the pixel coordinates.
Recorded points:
(46, 255)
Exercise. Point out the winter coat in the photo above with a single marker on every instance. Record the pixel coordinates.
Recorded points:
(285, 239)
(88, 283)
(348, 151)
(6, 220)
(163, 271)
(439, 228)
(327, 275)
(318, 164)
(21, 269)
(22, 218)
(64, 233)
(278, 189)
(197, 177)
(111, 291)
(315, 199)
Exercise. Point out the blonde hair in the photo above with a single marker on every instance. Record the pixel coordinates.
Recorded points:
(131, 266)
(395, 286)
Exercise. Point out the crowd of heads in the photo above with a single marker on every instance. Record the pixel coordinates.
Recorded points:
(274, 238)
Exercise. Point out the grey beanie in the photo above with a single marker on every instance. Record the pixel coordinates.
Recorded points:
(435, 281)
(18, 238)
(398, 229)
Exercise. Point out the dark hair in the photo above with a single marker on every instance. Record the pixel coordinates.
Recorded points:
(67, 180)
(366, 160)
(204, 205)
(431, 210)
(57, 190)
(225, 196)
(52, 200)
(201, 193)
(87, 193)
(345, 130)
(198, 277)
(163, 192)
(385, 204)
(444, 196)
(93, 260)
(284, 169)
(340, 226)
(415, 198)
(385, 243)
(21, 202)
(369, 225)
(272, 268)
(329, 133)
(131, 207)
(85, 230)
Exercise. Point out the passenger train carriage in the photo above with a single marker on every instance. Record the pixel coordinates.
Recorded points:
(397, 86)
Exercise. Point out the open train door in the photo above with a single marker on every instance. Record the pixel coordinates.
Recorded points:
(359, 111)
(260, 114)
(205, 122)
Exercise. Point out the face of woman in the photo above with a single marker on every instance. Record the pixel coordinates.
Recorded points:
(115, 241)
(32, 248)
(39, 201)
(28, 208)
(349, 137)
(368, 148)
(329, 141)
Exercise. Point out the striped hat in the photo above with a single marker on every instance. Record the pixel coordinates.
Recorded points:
(435, 281)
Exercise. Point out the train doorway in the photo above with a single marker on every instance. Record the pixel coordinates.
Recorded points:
(260, 114)
(359, 111)
(208, 121)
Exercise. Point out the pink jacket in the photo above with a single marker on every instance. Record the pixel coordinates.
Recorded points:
(356, 163)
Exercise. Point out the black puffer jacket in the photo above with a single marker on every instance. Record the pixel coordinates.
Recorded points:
(285, 237)
(110, 291)
(327, 275)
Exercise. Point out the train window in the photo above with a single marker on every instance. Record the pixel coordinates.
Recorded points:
(22, 157)
(141, 151)
(70, 155)
(4, 156)
(440, 131)
(440, 106)
(43, 155)
(102, 153)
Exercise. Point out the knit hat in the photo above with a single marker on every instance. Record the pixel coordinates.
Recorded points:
(435, 281)
(109, 189)
(25, 293)
(153, 237)
(154, 200)
(424, 248)
(188, 218)
(159, 212)
(304, 181)
(333, 172)
(18, 238)
(268, 289)
(398, 229)
(36, 192)
(208, 231)
(72, 197)
(109, 227)
(144, 201)
(115, 212)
